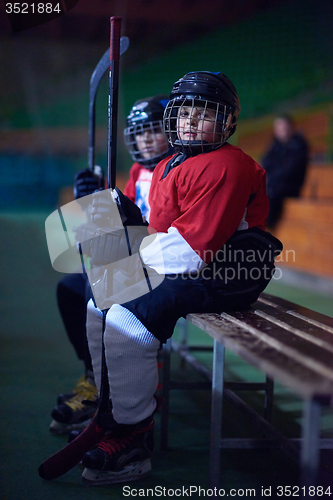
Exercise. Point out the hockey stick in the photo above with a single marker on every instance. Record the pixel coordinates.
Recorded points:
(69, 456)
(113, 100)
(101, 68)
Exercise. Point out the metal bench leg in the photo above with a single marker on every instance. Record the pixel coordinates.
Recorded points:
(183, 340)
(216, 414)
(310, 442)
(165, 395)
(183, 325)
(269, 393)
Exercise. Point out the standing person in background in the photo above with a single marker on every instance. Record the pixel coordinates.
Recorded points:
(285, 163)
(147, 144)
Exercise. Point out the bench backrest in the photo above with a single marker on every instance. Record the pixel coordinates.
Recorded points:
(318, 182)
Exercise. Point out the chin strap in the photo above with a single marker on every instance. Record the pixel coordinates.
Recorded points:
(194, 148)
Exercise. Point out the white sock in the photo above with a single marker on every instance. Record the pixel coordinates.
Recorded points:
(94, 335)
(131, 356)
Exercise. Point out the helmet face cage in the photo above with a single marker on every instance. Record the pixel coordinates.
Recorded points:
(152, 128)
(187, 120)
(144, 134)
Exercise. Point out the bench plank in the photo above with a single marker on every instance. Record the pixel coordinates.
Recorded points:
(280, 336)
(313, 331)
(296, 309)
(292, 342)
(292, 345)
(266, 358)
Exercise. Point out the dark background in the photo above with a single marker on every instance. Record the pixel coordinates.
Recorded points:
(278, 53)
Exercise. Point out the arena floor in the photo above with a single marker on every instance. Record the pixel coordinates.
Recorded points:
(37, 362)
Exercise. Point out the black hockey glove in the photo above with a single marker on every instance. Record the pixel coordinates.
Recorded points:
(84, 234)
(108, 248)
(102, 208)
(130, 213)
(86, 182)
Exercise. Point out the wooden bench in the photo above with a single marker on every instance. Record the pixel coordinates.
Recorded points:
(289, 344)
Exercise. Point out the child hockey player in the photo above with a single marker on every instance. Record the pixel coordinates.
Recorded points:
(209, 207)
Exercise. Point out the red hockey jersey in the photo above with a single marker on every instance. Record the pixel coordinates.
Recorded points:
(208, 197)
(138, 186)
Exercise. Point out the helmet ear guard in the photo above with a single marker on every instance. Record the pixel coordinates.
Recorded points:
(207, 91)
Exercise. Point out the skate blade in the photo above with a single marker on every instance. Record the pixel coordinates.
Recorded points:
(59, 428)
(132, 472)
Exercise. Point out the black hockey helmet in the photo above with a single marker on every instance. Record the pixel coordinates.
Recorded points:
(146, 115)
(207, 90)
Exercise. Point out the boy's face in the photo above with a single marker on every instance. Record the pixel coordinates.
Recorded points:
(198, 124)
(151, 142)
